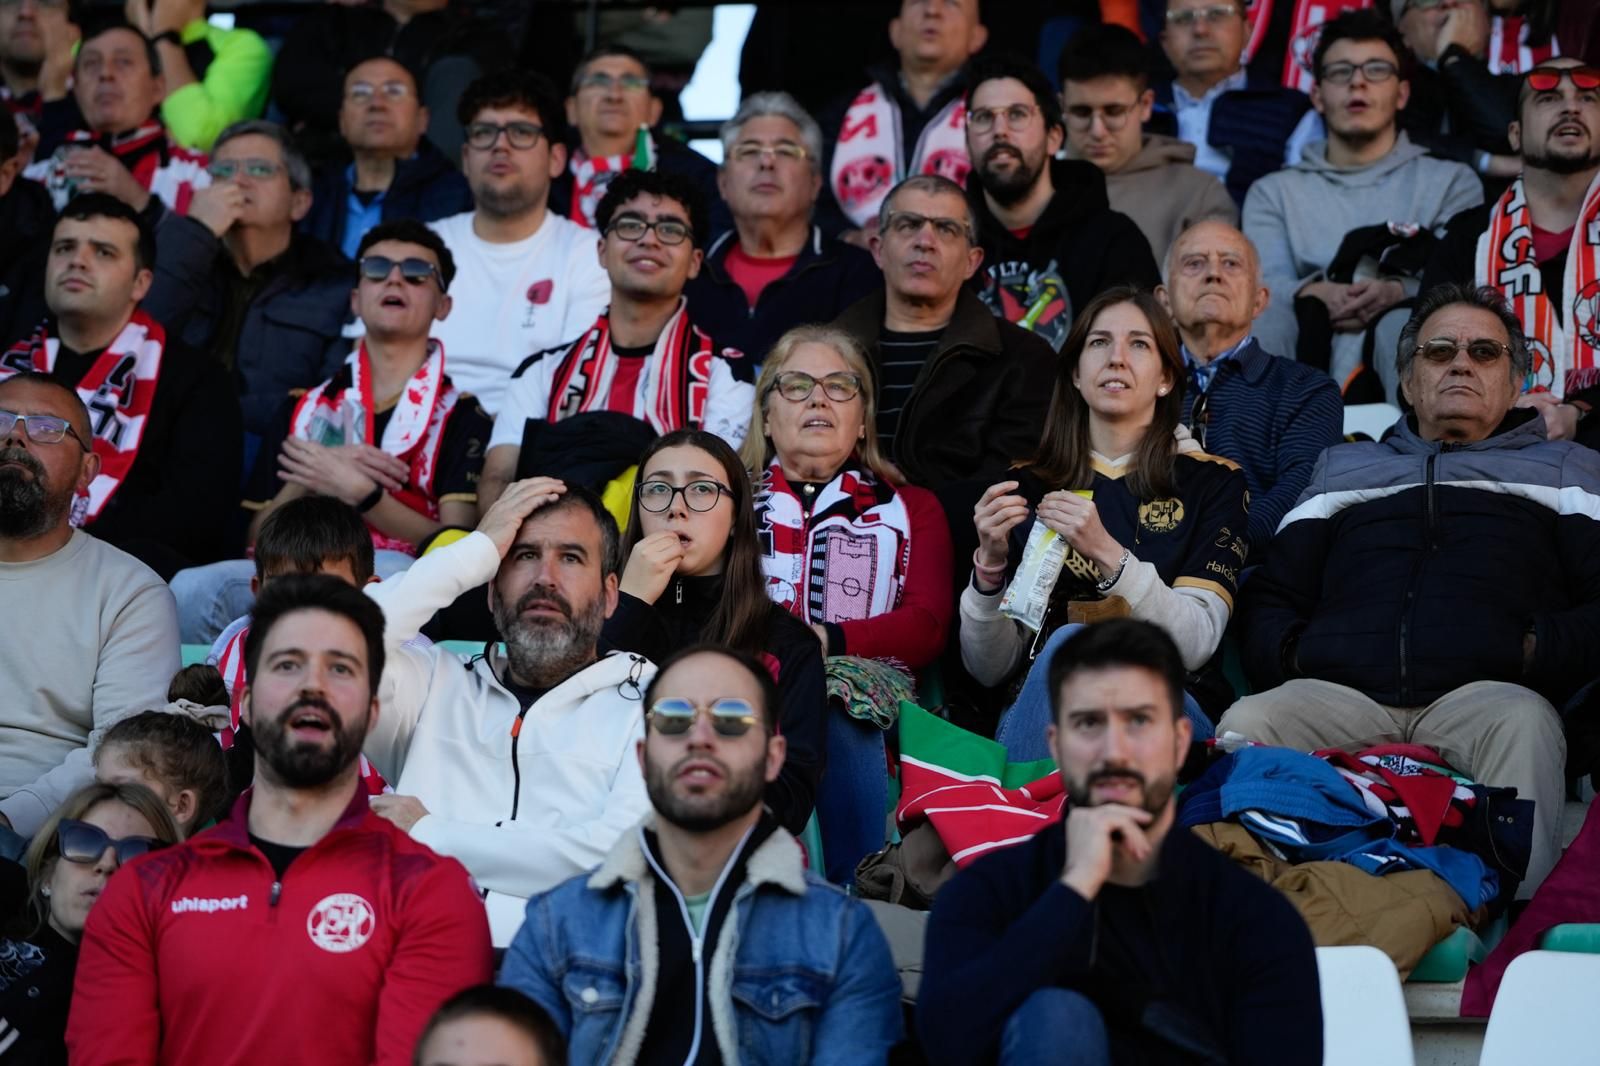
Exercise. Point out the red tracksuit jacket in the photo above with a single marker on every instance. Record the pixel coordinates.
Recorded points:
(198, 954)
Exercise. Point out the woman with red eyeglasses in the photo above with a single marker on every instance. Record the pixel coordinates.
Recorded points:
(96, 830)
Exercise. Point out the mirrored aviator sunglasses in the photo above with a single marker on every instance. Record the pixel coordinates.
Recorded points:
(674, 716)
(414, 271)
(84, 843)
(1546, 79)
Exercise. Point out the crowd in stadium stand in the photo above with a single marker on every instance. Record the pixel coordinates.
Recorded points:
(1081, 504)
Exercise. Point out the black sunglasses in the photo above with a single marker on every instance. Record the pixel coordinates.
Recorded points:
(84, 843)
(414, 271)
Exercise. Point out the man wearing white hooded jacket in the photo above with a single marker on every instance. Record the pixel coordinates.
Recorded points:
(520, 764)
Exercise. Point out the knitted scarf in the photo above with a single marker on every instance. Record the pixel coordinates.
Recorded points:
(590, 176)
(118, 389)
(673, 385)
(1309, 15)
(1563, 352)
(1509, 50)
(869, 159)
(167, 171)
(340, 411)
(849, 561)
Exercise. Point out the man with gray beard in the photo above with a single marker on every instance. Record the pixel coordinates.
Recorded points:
(520, 762)
(95, 632)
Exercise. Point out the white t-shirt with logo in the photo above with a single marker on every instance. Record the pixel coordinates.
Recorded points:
(511, 300)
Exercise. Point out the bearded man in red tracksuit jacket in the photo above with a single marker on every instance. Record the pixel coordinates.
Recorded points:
(305, 928)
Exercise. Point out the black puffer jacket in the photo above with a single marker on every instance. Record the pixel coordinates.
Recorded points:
(678, 620)
(1410, 568)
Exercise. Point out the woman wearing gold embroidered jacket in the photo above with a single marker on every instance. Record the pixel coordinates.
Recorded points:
(1155, 528)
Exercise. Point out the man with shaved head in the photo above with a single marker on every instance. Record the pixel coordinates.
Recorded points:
(97, 638)
(1272, 416)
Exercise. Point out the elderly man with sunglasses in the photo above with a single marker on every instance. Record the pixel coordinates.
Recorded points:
(388, 433)
(1439, 587)
(644, 358)
(236, 281)
(701, 937)
(1539, 244)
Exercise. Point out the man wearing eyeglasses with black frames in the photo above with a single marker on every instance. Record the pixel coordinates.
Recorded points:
(1367, 182)
(690, 924)
(644, 357)
(1551, 276)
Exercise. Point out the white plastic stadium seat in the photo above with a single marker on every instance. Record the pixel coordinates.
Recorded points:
(1370, 418)
(1364, 1021)
(1544, 1012)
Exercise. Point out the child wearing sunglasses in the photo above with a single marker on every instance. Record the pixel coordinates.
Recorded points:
(84, 842)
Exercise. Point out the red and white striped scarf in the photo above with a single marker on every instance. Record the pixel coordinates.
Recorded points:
(869, 159)
(168, 171)
(340, 411)
(118, 389)
(1563, 351)
(1509, 50)
(230, 664)
(849, 561)
(674, 383)
(590, 176)
(1309, 15)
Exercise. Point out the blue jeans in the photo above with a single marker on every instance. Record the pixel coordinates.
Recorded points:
(852, 794)
(1022, 727)
(211, 597)
(1059, 1024)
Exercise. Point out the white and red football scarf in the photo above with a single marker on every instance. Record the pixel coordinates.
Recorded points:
(340, 411)
(118, 389)
(868, 160)
(230, 664)
(1563, 351)
(674, 384)
(1309, 15)
(591, 176)
(850, 562)
(1509, 50)
(163, 168)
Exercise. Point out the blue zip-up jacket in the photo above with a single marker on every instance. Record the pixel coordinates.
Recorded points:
(797, 972)
(1273, 417)
(1411, 567)
(426, 187)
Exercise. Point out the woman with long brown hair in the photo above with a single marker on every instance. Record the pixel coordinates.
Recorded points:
(1147, 525)
(693, 574)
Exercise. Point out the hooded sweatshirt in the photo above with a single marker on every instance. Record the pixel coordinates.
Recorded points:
(1079, 246)
(1298, 217)
(1164, 192)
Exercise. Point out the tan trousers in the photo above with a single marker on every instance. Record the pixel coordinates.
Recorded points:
(1494, 732)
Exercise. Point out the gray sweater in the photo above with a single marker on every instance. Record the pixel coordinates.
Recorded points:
(93, 639)
(1298, 217)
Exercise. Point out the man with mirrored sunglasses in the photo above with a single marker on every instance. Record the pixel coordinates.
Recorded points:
(776, 270)
(101, 640)
(615, 119)
(236, 281)
(392, 171)
(1536, 244)
(1050, 238)
(645, 357)
(1343, 233)
(702, 936)
(1439, 587)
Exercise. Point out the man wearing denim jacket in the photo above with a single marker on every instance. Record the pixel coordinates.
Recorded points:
(702, 939)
